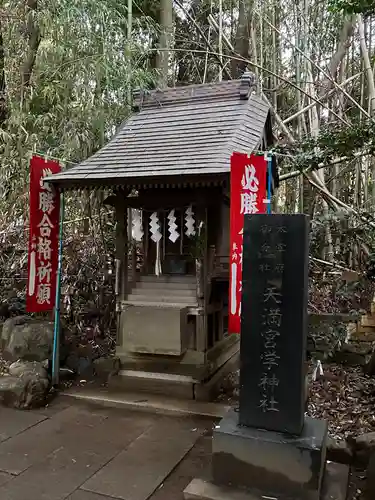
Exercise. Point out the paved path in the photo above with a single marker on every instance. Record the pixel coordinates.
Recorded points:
(85, 452)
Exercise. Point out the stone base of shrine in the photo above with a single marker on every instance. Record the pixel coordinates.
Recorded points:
(270, 464)
(335, 486)
(194, 375)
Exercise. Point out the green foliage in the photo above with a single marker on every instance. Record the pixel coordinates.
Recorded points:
(365, 7)
(80, 81)
(335, 140)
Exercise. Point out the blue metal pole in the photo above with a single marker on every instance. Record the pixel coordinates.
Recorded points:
(56, 332)
(269, 186)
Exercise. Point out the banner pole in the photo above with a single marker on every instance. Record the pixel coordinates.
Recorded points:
(269, 183)
(56, 332)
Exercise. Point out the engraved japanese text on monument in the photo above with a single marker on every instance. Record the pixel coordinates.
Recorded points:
(270, 259)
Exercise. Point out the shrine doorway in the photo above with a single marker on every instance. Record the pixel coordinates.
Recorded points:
(176, 249)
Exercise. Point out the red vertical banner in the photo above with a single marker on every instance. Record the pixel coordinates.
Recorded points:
(247, 196)
(43, 237)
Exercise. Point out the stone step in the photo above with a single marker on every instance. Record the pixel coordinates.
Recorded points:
(365, 329)
(139, 401)
(168, 278)
(368, 321)
(361, 336)
(164, 299)
(165, 292)
(176, 386)
(155, 303)
(170, 285)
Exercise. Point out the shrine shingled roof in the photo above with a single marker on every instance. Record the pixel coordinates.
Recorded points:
(180, 131)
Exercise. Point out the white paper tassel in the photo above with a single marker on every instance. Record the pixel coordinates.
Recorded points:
(137, 231)
(190, 222)
(172, 226)
(155, 228)
(156, 236)
(318, 370)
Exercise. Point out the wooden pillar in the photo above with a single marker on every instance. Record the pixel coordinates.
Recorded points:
(122, 251)
(201, 270)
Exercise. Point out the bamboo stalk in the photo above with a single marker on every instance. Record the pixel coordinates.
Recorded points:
(367, 65)
(221, 40)
(321, 70)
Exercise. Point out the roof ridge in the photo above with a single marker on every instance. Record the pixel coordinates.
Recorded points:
(193, 139)
(202, 92)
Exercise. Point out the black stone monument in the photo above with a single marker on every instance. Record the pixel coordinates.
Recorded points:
(269, 447)
(274, 322)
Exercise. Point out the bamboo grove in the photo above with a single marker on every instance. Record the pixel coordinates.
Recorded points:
(67, 69)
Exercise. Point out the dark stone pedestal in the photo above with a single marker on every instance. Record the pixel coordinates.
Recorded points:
(270, 464)
(335, 485)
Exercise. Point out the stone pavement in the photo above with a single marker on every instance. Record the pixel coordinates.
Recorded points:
(84, 452)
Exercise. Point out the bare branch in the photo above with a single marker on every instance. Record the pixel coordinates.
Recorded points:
(296, 173)
(326, 96)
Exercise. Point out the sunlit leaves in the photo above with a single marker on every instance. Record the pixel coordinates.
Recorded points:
(365, 7)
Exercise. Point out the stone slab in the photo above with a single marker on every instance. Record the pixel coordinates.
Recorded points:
(197, 463)
(336, 479)
(368, 321)
(82, 453)
(205, 490)
(270, 463)
(274, 322)
(139, 470)
(87, 495)
(363, 337)
(364, 330)
(4, 477)
(142, 402)
(335, 488)
(22, 451)
(12, 422)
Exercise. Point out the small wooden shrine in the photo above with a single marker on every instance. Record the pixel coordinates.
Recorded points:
(168, 168)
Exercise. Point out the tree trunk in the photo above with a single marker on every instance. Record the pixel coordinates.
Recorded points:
(3, 102)
(242, 42)
(165, 41)
(338, 56)
(33, 34)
